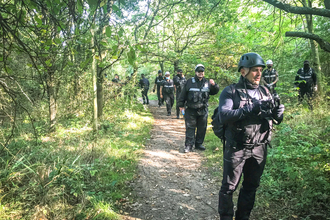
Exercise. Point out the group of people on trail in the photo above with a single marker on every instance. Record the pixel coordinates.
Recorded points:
(166, 87)
(192, 97)
(248, 110)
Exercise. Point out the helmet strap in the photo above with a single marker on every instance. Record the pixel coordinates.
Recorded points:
(248, 71)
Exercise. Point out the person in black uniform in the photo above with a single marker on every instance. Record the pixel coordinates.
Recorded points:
(167, 92)
(269, 77)
(306, 82)
(248, 117)
(158, 82)
(144, 85)
(179, 81)
(195, 95)
(116, 79)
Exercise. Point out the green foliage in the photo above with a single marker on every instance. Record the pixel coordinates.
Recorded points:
(74, 173)
(297, 173)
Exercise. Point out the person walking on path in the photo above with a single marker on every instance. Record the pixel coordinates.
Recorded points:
(269, 77)
(167, 92)
(179, 82)
(247, 114)
(195, 95)
(306, 82)
(158, 82)
(144, 85)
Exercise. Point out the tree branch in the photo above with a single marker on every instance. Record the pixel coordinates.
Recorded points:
(323, 44)
(299, 10)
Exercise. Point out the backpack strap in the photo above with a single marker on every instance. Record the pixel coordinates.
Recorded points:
(265, 90)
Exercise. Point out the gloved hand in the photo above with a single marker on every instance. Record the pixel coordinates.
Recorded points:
(278, 113)
(254, 107)
(153, 90)
(315, 88)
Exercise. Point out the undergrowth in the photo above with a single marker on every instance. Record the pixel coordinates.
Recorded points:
(74, 173)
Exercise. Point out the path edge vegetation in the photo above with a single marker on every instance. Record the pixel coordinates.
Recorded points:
(75, 173)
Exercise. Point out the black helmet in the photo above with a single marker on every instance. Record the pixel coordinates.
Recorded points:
(250, 60)
(159, 71)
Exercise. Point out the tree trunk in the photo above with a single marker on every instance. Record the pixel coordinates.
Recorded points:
(314, 47)
(51, 100)
(94, 74)
(161, 64)
(176, 65)
(100, 102)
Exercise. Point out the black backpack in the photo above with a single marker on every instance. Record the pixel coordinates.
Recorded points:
(217, 126)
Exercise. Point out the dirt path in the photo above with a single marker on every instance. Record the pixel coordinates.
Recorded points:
(172, 185)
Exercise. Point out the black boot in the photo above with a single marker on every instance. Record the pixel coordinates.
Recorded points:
(199, 147)
(226, 206)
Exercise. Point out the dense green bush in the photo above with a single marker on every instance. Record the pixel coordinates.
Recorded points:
(74, 173)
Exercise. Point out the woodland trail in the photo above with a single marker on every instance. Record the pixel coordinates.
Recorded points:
(172, 184)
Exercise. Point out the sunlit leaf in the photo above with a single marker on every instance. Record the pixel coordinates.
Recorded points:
(38, 20)
(108, 31)
(102, 3)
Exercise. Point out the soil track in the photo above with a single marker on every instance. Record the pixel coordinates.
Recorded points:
(171, 184)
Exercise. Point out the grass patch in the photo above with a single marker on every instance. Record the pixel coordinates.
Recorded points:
(74, 173)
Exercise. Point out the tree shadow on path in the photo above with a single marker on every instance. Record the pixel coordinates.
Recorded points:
(171, 184)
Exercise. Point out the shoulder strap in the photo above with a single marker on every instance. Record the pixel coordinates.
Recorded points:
(233, 88)
(265, 90)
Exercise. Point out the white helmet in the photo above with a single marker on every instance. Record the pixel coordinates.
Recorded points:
(269, 62)
(167, 73)
(199, 65)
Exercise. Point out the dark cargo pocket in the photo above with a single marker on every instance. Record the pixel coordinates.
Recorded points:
(196, 96)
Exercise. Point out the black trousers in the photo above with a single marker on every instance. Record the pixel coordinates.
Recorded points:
(195, 118)
(177, 108)
(145, 95)
(308, 91)
(169, 100)
(160, 100)
(237, 161)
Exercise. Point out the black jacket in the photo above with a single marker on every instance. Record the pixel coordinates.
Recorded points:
(242, 127)
(307, 78)
(168, 86)
(144, 83)
(179, 82)
(195, 94)
(270, 75)
(158, 81)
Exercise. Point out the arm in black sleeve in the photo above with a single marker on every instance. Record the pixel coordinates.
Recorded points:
(214, 89)
(226, 103)
(182, 97)
(176, 81)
